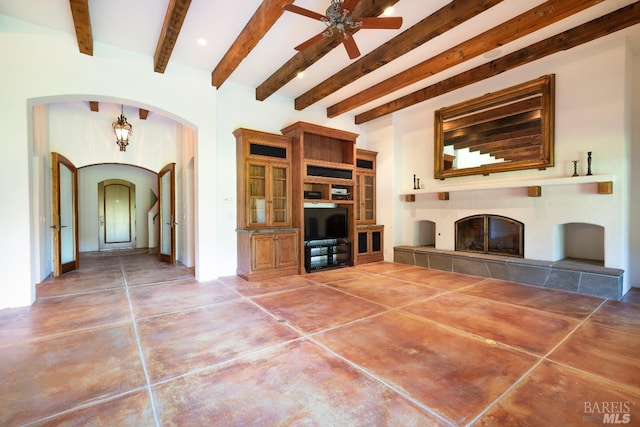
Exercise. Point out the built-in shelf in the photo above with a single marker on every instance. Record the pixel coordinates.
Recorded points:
(533, 186)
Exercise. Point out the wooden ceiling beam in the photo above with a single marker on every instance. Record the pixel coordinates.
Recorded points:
(143, 114)
(526, 23)
(173, 20)
(439, 22)
(602, 26)
(93, 106)
(262, 20)
(303, 60)
(82, 24)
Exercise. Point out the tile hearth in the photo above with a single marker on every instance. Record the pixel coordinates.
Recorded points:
(566, 275)
(128, 341)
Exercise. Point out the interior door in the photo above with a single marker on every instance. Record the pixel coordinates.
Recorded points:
(167, 213)
(117, 213)
(65, 214)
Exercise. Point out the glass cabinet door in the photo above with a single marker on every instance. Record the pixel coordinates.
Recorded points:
(279, 183)
(368, 198)
(257, 194)
(358, 197)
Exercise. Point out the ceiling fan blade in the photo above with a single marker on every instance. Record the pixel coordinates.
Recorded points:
(351, 47)
(304, 12)
(392, 23)
(302, 46)
(350, 5)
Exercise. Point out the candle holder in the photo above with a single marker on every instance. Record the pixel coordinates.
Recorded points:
(575, 168)
(589, 163)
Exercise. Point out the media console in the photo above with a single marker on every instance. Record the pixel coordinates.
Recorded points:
(326, 254)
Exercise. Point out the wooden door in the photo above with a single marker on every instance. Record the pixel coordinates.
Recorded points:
(64, 184)
(167, 214)
(117, 214)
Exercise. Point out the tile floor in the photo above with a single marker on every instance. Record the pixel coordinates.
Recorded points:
(127, 341)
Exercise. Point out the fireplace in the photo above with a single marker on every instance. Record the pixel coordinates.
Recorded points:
(490, 234)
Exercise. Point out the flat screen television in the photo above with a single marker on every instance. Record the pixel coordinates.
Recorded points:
(325, 223)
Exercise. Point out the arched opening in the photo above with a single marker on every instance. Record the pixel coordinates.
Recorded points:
(582, 242)
(424, 233)
(89, 142)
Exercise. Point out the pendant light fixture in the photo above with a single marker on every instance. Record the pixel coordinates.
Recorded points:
(123, 129)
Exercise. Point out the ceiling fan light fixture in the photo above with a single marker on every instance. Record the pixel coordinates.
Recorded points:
(123, 129)
(338, 20)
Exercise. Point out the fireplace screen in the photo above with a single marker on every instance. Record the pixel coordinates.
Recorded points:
(490, 234)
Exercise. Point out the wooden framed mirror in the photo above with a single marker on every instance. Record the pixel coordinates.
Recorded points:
(503, 131)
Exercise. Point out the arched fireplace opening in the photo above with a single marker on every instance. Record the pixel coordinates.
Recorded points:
(490, 234)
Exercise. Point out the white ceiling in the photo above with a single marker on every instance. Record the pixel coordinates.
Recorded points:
(135, 25)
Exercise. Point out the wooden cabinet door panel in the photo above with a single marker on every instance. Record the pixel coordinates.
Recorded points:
(262, 252)
(287, 249)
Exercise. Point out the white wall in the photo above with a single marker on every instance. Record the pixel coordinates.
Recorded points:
(634, 211)
(591, 115)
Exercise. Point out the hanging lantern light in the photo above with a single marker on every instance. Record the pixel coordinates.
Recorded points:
(123, 129)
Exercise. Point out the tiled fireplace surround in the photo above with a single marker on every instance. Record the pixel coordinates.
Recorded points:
(572, 276)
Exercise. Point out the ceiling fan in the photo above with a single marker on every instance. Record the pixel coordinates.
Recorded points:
(338, 17)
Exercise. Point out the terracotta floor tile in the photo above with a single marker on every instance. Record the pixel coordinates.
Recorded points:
(132, 409)
(85, 280)
(299, 384)
(619, 315)
(632, 296)
(436, 278)
(455, 375)
(177, 343)
(335, 275)
(554, 395)
(382, 267)
(521, 327)
(62, 314)
(385, 290)
(550, 300)
(262, 287)
(315, 308)
(230, 352)
(611, 353)
(141, 273)
(42, 378)
(178, 295)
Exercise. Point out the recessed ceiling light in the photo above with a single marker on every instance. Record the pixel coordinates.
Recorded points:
(388, 11)
(202, 42)
(300, 74)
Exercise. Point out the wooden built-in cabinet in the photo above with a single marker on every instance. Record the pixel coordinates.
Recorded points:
(370, 244)
(365, 187)
(369, 236)
(323, 170)
(265, 254)
(264, 206)
(307, 166)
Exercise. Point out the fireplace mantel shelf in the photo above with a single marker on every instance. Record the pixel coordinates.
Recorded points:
(444, 189)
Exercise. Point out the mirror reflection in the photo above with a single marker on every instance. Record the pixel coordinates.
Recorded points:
(502, 131)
